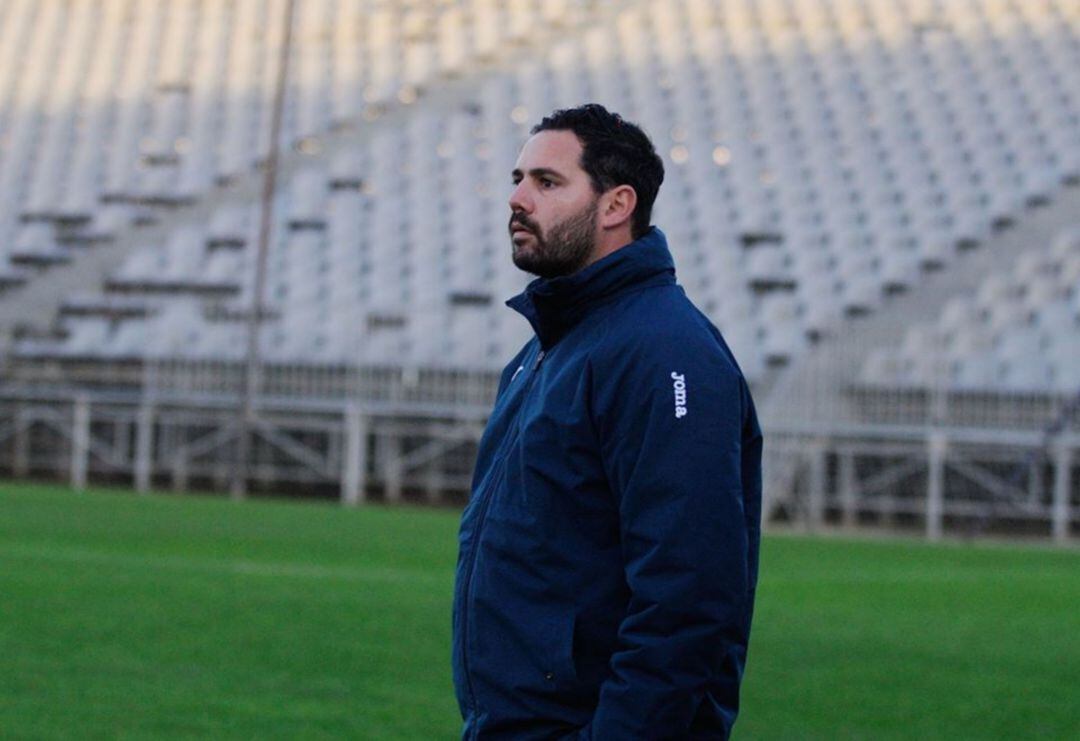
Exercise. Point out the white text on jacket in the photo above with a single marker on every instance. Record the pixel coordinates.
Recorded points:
(680, 394)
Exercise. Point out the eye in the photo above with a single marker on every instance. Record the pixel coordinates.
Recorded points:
(547, 183)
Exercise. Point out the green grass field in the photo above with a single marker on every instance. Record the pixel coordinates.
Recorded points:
(164, 616)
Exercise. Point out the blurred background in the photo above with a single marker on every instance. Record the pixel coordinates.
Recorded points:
(259, 247)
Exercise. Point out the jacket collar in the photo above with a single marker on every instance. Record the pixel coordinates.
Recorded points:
(554, 305)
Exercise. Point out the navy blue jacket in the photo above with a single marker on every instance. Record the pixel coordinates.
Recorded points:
(609, 551)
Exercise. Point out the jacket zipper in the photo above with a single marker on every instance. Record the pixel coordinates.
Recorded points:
(480, 517)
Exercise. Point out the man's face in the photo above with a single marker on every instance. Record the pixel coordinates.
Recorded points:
(553, 207)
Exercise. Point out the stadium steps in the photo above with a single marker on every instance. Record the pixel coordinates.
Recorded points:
(808, 395)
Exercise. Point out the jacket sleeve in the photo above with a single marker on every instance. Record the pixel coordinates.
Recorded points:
(670, 416)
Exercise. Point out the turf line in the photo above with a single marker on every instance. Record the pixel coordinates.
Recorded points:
(235, 566)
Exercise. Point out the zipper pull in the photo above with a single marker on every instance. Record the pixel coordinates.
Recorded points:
(539, 357)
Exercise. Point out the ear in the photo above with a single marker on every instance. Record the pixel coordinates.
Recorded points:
(617, 206)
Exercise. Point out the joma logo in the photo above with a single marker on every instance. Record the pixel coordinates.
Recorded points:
(680, 394)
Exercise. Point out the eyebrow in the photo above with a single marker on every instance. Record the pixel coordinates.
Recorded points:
(538, 172)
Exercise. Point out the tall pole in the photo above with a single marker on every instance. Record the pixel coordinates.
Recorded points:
(253, 365)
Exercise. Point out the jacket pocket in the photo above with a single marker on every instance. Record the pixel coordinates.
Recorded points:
(557, 645)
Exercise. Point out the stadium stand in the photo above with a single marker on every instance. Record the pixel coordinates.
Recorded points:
(848, 226)
(823, 158)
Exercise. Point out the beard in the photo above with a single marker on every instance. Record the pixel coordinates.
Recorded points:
(564, 250)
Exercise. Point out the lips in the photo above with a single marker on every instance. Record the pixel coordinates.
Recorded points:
(518, 228)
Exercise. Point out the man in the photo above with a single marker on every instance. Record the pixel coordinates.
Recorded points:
(608, 554)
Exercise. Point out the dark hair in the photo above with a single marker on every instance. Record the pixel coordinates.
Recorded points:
(614, 152)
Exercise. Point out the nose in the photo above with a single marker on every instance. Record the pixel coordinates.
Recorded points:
(519, 198)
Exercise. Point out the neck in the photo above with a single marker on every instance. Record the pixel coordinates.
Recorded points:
(608, 242)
